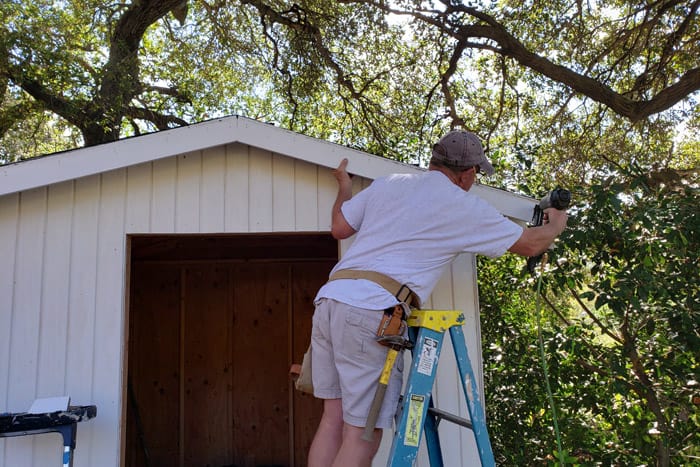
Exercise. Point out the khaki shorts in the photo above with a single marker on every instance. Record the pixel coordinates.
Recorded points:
(347, 361)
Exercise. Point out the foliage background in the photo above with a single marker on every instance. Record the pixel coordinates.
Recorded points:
(620, 318)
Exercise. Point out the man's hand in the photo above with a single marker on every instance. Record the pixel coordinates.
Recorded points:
(536, 240)
(340, 227)
(342, 177)
(557, 218)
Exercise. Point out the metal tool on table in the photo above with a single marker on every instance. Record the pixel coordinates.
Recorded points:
(64, 422)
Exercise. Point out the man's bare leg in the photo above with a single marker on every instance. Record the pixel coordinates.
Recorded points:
(329, 435)
(355, 451)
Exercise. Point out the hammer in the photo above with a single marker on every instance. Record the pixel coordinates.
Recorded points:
(395, 344)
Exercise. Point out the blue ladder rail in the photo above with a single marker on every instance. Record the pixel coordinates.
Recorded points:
(417, 412)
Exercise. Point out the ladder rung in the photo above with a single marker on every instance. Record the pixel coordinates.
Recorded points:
(442, 415)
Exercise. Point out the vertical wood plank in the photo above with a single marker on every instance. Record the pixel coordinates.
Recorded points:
(9, 221)
(283, 206)
(54, 313)
(9, 229)
(163, 199)
(327, 191)
(154, 375)
(187, 195)
(25, 323)
(306, 196)
(27, 298)
(211, 206)
(139, 191)
(463, 275)
(109, 318)
(463, 271)
(51, 364)
(236, 207)
(447, 381)
(81, 305)
(208, 372)
(260, 381)
(260, 191)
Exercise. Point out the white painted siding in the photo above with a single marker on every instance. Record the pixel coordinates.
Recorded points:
(62, 280)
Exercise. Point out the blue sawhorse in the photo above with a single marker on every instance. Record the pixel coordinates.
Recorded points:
(417, 414)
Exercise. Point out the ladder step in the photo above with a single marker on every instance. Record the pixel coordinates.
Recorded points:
(457, 420)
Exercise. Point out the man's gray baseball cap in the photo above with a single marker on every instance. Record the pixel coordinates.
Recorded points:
(461, 150)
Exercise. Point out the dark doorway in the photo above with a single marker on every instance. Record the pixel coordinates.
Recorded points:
(214, 324)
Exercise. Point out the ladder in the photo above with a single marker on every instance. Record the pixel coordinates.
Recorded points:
(416, 412)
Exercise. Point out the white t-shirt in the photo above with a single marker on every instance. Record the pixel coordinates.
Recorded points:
(411, 227)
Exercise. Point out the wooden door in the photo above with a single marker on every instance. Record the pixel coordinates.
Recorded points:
(210, 347)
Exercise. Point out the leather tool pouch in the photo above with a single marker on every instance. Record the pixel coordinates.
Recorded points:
(304, 383)
(393, 323)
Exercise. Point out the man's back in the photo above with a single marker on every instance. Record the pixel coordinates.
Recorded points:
(410, 227)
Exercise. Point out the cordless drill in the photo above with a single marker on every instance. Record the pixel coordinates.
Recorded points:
(557, 199)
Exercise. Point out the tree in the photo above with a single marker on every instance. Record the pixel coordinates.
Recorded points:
(642, 292)
(622, 304)
(51, 56)
(100, 67)
(626, 46)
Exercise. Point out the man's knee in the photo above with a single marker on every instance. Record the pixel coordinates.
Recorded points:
(355, 451)
(332, 412)
(352, 436)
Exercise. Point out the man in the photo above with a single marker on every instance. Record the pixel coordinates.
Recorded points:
(410, 228)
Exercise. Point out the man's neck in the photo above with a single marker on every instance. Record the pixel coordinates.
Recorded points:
(454, 178)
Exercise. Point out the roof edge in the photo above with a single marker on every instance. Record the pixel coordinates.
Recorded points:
(82, 162)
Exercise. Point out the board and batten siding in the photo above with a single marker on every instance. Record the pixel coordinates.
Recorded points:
(62, 282)
(64, 270)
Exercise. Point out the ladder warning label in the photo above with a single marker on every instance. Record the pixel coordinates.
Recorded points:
(428, 356)
(414, 420)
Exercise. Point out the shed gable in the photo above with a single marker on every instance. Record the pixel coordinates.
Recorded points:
(63, 283)
(64, 223)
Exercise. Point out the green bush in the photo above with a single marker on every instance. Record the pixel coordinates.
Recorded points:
(620, 317)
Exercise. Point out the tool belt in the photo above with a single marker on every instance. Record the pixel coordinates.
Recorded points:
(393, 324)
(401, 291)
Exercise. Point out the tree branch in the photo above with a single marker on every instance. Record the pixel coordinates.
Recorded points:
(71, 111)
(645, 389)
(169, 91)
(620, 104)
(507, 45)
(605, 329)
(161, 121)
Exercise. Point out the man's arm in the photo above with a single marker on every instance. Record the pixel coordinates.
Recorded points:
(536, 240)
(340, 228)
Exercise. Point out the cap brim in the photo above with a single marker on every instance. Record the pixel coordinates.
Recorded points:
(486, 167)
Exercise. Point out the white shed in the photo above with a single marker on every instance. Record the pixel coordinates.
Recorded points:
(168, 278)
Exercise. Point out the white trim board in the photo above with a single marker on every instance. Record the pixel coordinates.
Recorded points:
(82, 162)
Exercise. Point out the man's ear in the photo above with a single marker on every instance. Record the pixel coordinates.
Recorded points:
(467, 178)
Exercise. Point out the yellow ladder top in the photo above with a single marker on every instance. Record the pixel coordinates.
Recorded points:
(436, 320)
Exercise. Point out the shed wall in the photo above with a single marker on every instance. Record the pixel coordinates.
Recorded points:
(63, 279)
